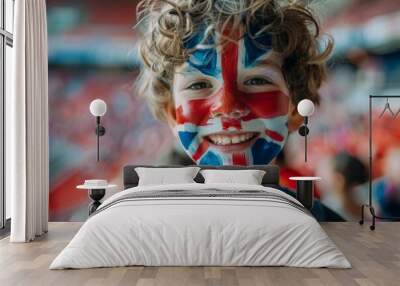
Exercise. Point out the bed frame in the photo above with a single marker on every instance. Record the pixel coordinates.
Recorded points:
(270, 179)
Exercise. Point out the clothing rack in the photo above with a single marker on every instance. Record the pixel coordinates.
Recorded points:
(369, 205)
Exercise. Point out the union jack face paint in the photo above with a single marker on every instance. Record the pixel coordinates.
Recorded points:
(232, 104)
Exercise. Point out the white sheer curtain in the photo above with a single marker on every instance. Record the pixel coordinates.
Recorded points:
(27, 124)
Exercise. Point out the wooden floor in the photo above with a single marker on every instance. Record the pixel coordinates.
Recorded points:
(375, 257)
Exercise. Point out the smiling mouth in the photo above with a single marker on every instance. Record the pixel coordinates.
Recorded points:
(227, 139)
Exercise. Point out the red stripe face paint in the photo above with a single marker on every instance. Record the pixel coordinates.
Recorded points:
(232, 126)
(200, 150)
(231, 123)
(239, 159)
(197, 111)
(259, 105)
(274, 135)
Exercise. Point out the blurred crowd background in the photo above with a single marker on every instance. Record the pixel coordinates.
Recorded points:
(92, 54)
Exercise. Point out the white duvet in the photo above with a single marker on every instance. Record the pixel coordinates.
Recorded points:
(200, 231)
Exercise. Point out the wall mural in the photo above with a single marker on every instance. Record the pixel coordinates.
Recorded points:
(231, 104)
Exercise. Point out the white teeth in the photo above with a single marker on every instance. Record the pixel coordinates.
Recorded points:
(236, 139)
(231, 139)
(226, 140)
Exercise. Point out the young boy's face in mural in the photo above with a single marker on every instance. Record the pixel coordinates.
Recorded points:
(231, 103)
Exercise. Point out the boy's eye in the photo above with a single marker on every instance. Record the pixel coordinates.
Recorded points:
(257, 81)
(199, 85)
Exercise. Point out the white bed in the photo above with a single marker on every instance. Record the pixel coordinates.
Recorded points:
(271, 229)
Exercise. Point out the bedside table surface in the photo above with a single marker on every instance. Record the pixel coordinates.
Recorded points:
(83, 187)
(305, 178)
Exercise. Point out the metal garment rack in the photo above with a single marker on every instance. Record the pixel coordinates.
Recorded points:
(369, 205)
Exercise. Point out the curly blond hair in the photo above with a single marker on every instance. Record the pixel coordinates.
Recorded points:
(166, 25)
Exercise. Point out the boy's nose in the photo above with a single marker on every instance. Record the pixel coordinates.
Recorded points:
(227, 105)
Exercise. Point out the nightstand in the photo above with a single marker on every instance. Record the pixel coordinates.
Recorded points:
(96, 194)
(305, 190)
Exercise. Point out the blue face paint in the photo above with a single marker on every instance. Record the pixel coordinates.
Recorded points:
(264, 151)
(210, 158)
(186, 138)
(256, 50)
(204, 60)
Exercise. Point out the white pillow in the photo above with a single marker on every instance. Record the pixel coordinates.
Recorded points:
(248, 177)
(163, 176)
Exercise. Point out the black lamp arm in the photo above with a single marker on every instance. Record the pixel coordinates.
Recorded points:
(100, 131)
(303, 131)
(305, 139)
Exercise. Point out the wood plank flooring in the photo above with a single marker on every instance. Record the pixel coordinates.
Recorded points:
(375, 257)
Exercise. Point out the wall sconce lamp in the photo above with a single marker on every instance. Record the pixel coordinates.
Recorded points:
(305, 109)
(98, 108)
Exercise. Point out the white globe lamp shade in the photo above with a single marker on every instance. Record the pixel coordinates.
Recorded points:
(305, 108)
(98, 107)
